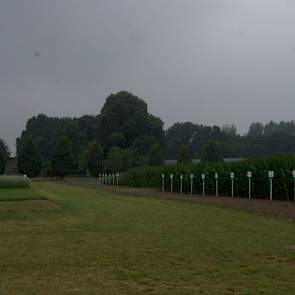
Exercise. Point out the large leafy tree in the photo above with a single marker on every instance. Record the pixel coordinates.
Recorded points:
(95, 159)
(124, 121)
(62, 157)
(28, 158)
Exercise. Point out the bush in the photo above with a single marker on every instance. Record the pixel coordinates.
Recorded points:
(14, 182)
(281, 165)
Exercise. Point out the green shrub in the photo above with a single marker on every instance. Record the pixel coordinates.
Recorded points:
(281, 165)
(14, 182)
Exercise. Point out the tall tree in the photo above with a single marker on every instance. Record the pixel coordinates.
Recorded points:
(95, 159)
(62, 157)
(28, 158)
(124, 120)
(156, 156)
(184, 155)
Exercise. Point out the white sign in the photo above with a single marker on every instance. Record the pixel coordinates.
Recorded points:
(216, 175)
(293, 173)
(232, 175)
(163, 176)
(181, 176)
(249, 174)
(192, 176)
(271, 174)
(203, 176)
(171, 176)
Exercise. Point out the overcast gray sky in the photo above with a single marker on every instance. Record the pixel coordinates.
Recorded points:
(205, 61)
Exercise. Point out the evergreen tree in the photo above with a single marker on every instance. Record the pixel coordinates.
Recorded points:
(156, 156)
(62, 157)
(184, 156)
(29, 160)
(2, 164)
(95, 159)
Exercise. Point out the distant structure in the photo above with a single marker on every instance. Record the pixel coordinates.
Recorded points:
(197, 161)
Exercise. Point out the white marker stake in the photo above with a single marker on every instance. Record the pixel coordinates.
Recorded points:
(192, 183)
(232, 177)
(117, 179)
(203, 180)
(216, 184)
(181, 178)
(249, 175)
(171, 183)
(163, 182)
(271, 175)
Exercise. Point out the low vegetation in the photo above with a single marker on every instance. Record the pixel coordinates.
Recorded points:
(283, 181)
(14, 182)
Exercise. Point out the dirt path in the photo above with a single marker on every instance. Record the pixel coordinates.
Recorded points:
(270, 208)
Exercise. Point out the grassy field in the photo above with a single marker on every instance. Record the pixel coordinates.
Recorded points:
(86, 241)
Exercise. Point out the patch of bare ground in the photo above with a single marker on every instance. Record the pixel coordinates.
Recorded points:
(281, 209)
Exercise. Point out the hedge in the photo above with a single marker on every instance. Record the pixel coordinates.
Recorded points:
(14, 182)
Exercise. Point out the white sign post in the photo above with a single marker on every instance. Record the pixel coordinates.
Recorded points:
(216, 184)
(249, 175)
(117, 176)
(293, 174)
(271, 175)
(171, 183)
(203, 181)
(163, 182)
(181, 180)
(192, 183)
(232, 177)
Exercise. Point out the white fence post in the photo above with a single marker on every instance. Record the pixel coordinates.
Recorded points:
(192, 183)
(249, 175)
(232, 177)
(203, 181)
(216, 184)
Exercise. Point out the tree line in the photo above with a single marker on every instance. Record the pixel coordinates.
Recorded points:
(125, 135)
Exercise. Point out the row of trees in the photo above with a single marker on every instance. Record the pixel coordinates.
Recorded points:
(269, 139)
(93, 161)
(129, 136)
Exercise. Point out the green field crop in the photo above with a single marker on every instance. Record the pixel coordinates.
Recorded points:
(283, 182)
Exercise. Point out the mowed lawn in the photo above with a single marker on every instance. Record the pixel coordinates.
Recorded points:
(86, 241)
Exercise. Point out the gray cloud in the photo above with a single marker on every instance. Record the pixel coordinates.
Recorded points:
(207, 61)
